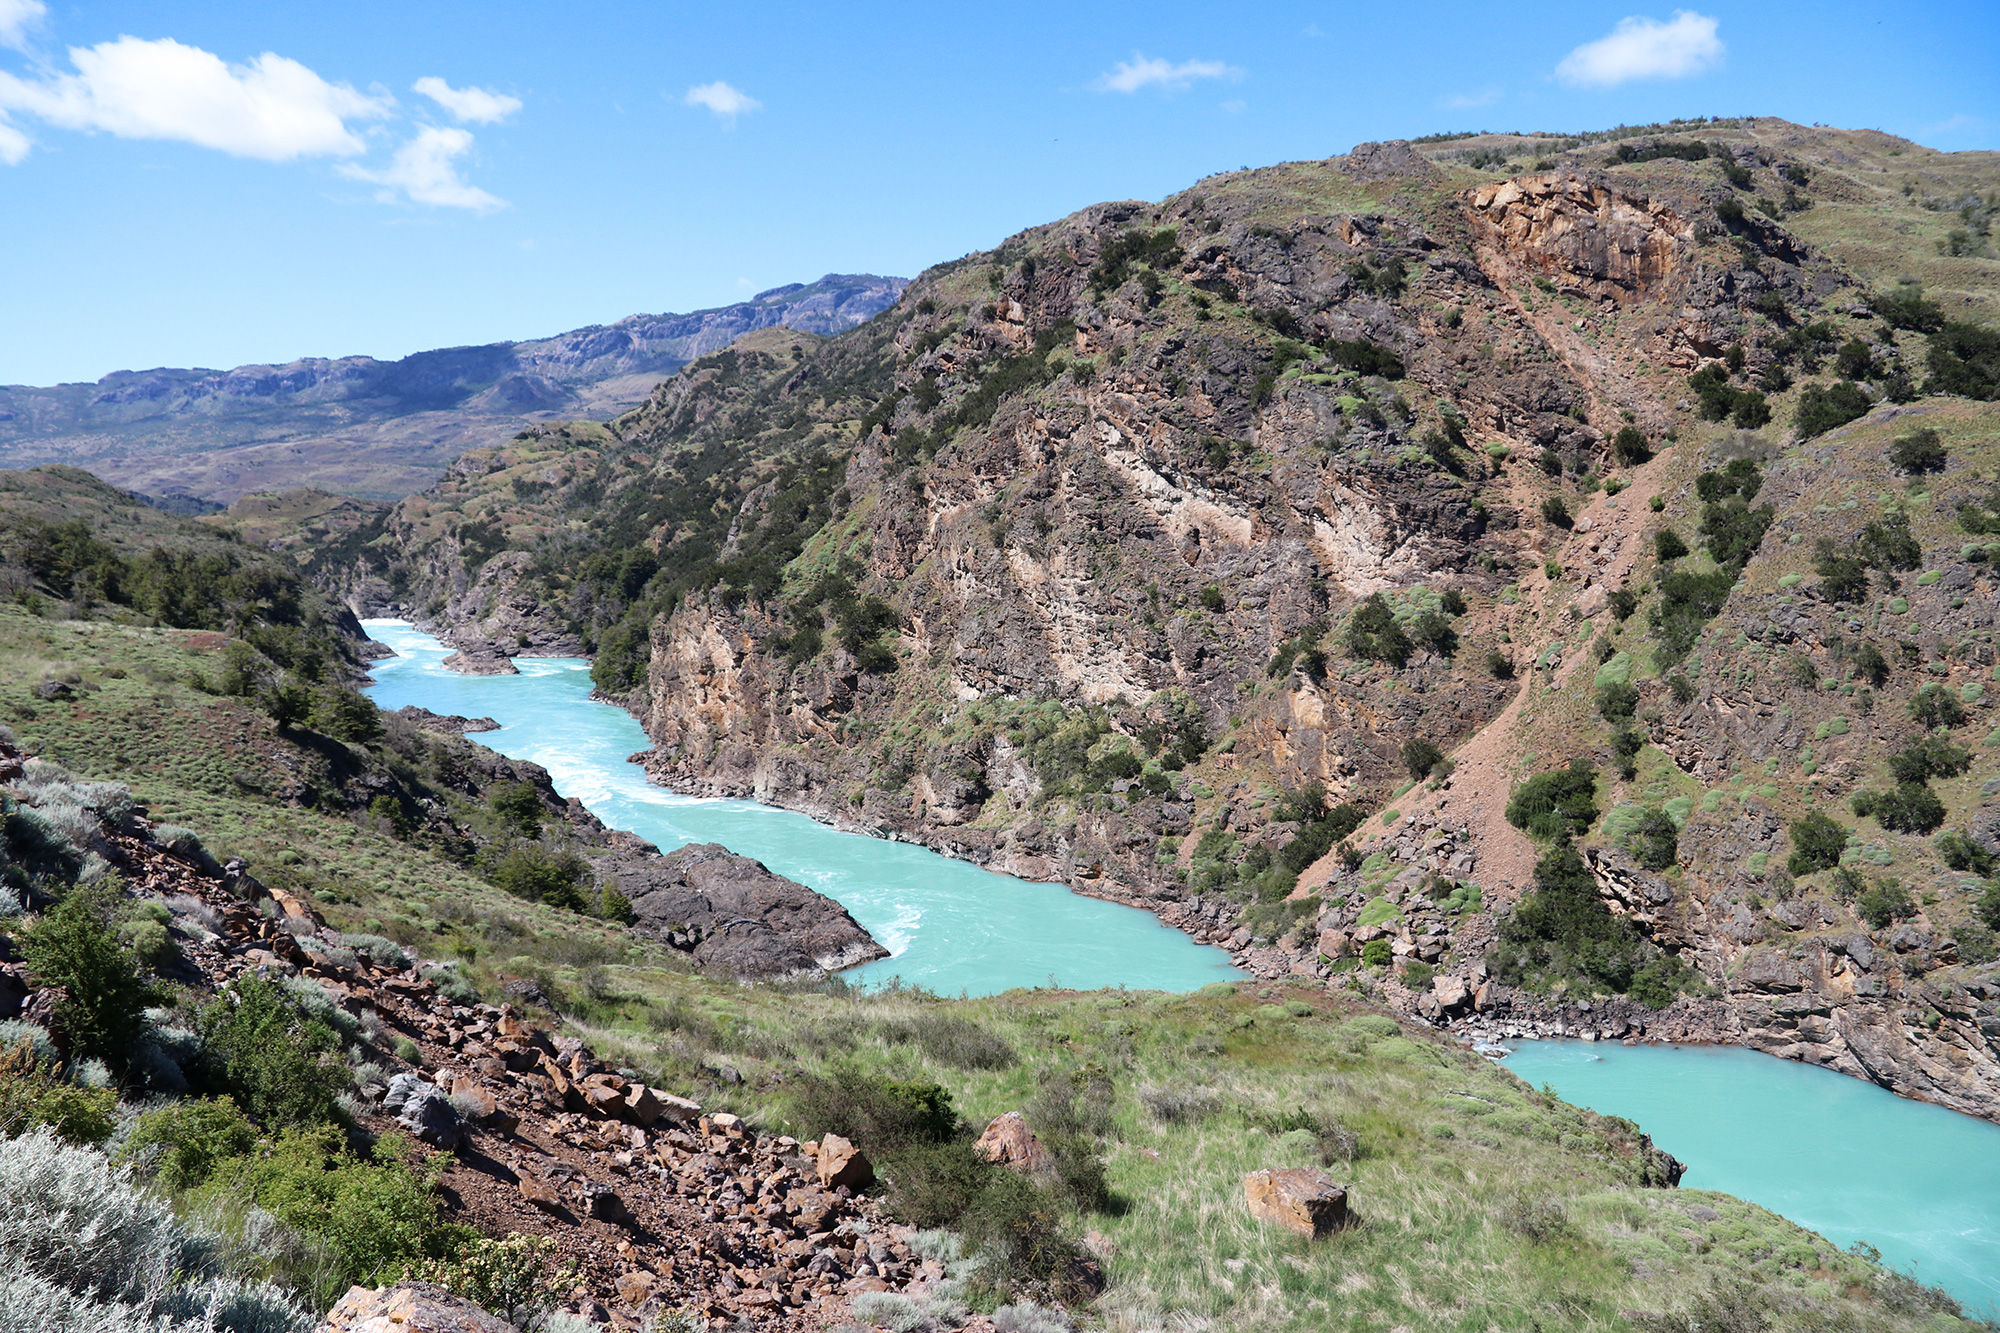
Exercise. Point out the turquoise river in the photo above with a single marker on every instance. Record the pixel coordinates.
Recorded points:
(1843, 1157)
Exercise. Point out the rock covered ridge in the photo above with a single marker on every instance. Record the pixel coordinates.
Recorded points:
(660, 1206)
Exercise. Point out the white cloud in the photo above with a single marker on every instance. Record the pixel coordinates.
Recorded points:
(425, 170)
(272, 108)
(14, 145)
(1462, 101)
(16, 17)
(723, 100)
(1129, 76)
(481, 106)
(1644, 48)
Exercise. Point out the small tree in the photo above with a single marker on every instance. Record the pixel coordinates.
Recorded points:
(1934, 706)
(1667, 545)
(1555, 513)
(1921, 451)
(1420, 757)
(1817, 842)
(1629, 447)
(103, 1010)
(288, 705)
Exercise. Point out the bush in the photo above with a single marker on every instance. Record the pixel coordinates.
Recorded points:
(375, 1215)
(1179, 1103)
(1560, 802)
(517, 1278)
(539, 875)
(1667, 545)
(1556, 513)
(1432, 631)
(282, 1067)
(1020, 1227)
(184, 1143)
(1959, 852)
(33, 1094)
(1870, 665)
(1655, 840)
(1420, 757)
(1817, 842)
(1825, 407)
(1499, 665)
(346, 715)
(1629, 447)
(1376, 953)
(1618, 701)
(1885, 901)
(952, 1040)
(1843, 576)
(1935, 706)
(1920, 451)
(518, 806)
(1909, 808)
(103, 1010)
(86, 1249)
(1561, 930)
(1931, 757)
(1906, 308)
(880, 1114)
(1964, 359)
(1373, 634)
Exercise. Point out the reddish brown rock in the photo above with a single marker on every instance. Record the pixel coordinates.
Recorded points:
(541, 1193)
(1009, 1142)
(841, 1163)
(1300, 1199)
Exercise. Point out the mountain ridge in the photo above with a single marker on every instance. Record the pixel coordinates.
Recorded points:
(382, 429)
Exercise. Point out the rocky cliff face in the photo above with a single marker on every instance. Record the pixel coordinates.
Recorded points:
(1172, 528)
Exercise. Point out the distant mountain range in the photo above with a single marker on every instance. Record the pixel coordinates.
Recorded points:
(384, 429)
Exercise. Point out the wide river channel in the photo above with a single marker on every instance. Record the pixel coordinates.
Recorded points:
(1843, 1157)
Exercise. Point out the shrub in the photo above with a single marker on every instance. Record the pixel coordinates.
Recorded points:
(1681, 688)
(1179, 1103)
(1887, 544)
(1817, 842)
(542, 876)
(1906, 308)
(1555, 512)
(1919, 451)
(1959, 852)
(1537, 1220)
(1908, 808)
(1655, 840)
(880, 1114)
(1964, 359)
(1825, 407)
(86, 1249)
(1561, 930)
(1420, 757)
(1935, 706)
(1376, 953)
(518, 1278)
(1373, 634)
(281, 1067)
(1843, 576)
(1623, 603)
(1751, 411)
(1020, 1227)
(1870, 665)
(103, 1010)
(33, 1094)
(375, 1215)
(1555, 803)
(1434, 632)
(346, 715)
(1618, 701)
(184, 1143)
(1629, 447)
(1667, 545)
(1930, 757)
(1499, 665)
(518, 806)
(1885, 901)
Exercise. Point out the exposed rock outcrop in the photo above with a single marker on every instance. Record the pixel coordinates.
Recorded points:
(732, 916)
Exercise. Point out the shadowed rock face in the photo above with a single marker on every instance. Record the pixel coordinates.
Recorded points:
(732, 916)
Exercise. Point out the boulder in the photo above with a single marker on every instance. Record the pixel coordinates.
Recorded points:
(641, 1106)
(1300, 1199)
(1009, 1142)
(841, 1163)
(423, 1110)
(733, 917)
(409, 1307)
(478, 656)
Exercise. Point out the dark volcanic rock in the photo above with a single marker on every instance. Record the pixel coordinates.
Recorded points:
(457, 726)
(480, 657)
(735, 917)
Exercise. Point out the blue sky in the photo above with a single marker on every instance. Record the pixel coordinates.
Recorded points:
(211, 184)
